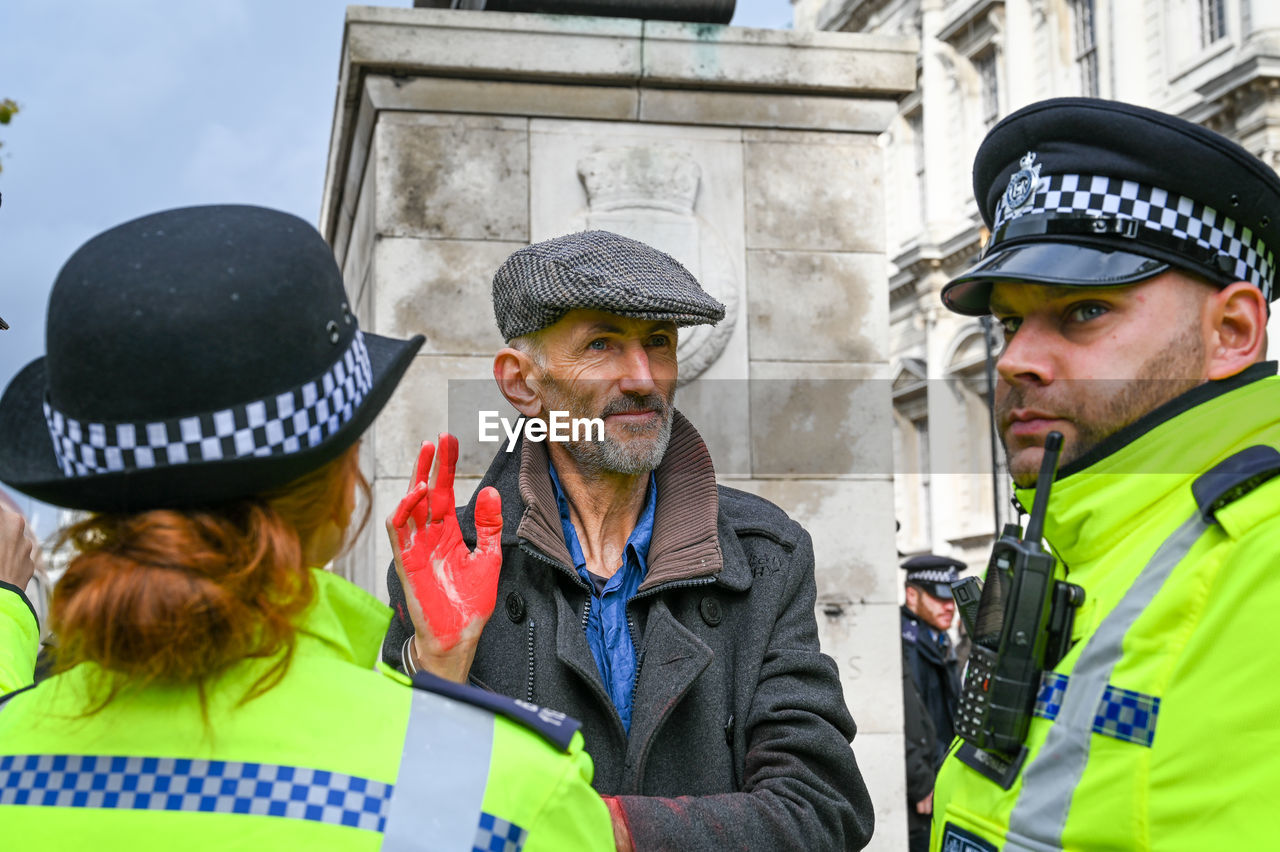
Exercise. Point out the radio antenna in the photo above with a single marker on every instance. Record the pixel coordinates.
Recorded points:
(1044, 482)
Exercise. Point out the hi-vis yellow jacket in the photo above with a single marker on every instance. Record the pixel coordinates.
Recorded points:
(337, 756)
(1160, 730)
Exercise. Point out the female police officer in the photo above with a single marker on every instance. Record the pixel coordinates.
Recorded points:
(202, 396)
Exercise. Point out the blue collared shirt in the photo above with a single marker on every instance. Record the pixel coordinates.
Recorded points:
(608, 633)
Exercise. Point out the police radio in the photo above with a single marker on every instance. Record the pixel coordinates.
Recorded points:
(1020, 623)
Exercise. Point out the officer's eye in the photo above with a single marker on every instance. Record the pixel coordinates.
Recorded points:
(598, 344)
(660, 340)
(1010, 325)
(1086, 311)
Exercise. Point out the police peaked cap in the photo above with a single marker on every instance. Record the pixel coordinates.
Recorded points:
(194, 356)
(1089, 192)
(933, 573)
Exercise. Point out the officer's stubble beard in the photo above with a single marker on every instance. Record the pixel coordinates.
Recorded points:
(645, 447)
(1099, 408)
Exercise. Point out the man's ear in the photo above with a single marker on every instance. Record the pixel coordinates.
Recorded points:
(913, 598)
(1235, 330)
(516, 375)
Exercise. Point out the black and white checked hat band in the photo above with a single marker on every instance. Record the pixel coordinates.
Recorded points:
(931, 575)
(1160, 217)
(283, 424)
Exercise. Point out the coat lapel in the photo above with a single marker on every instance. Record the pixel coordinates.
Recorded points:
(667, 671)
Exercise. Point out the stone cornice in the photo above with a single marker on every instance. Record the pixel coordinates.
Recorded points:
(848, 15)
(976, 17)
(636, 71)
(1257, 73)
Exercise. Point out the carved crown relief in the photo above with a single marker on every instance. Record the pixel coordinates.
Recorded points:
(648, 193)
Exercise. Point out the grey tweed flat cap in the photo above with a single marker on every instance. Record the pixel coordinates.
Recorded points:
(597, 270)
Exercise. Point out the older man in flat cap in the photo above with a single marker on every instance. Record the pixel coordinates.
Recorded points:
(673, 616)
(1131, 263)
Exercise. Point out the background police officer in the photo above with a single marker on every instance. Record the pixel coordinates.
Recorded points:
(930, 681)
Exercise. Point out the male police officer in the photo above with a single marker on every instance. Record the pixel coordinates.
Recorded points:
(1130, 264)
(930, 681)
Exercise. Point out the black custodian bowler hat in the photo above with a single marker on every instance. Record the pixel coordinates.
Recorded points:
(1089, 192)
(194, 356)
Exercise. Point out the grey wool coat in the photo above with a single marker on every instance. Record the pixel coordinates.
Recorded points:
(739, 734)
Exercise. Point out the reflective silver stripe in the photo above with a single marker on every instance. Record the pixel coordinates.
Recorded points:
(1039, 816)
(450, 742)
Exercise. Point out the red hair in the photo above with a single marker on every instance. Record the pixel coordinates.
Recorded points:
(179, 596)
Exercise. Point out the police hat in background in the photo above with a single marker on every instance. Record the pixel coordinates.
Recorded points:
(933, 574)
(1088, 192)
(193, 356)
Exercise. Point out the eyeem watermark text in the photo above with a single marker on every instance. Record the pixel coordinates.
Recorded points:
(557, 427)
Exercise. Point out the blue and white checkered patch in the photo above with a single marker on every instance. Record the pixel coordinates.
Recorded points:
(498, 835)
(203, 786)
(1155, 208)
(1122, 713)
(1053, 687)
(288, 422)
(1127, 715)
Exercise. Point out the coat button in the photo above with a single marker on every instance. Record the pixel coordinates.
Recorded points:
(515, 607)
(710, 609)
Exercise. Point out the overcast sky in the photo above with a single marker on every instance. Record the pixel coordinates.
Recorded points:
(133, 106)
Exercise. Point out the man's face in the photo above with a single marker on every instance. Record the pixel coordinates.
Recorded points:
(933, 611)
(1088, 361)
(621, 370)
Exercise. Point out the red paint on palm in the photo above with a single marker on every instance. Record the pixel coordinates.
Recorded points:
(455, 588)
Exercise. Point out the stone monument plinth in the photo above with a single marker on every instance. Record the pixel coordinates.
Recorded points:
(752, 157)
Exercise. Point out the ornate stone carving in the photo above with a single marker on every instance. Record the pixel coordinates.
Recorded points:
(648, 192)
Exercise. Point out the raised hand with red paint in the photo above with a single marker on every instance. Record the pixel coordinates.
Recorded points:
(453, 589)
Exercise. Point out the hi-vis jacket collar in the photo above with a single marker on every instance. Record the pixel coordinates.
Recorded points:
(1168, 449)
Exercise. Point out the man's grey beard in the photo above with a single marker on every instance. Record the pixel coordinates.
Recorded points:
(640, 455)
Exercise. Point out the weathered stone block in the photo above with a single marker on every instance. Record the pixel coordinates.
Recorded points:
(357, 258)
(863, 640)
(681, 106)
(500, 97)
(443, 289)
(833, 62)
(851, 568)
(459, 42)
(452, 176)
(438, 393)
(817, 306)
(883, 763)
(814, 191)
(819, 420)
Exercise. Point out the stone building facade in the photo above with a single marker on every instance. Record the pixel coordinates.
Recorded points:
(750, 155)
(1216, 62)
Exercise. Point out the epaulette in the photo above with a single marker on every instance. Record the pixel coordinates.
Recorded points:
(1234, 477)
(552, 725)
(910, 631)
